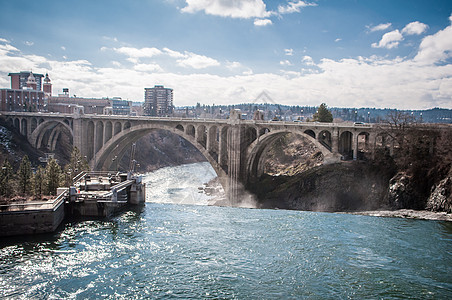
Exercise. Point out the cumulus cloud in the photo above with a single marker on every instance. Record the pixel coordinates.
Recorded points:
(294, 7)
(262, 22)
(414, 28)
(338, 40)
(285, 63)
(29, 43)
(4, 40)
(138, 53)
(197, 61)
(148, 68)
(389, 40)
(379, 27)
(243, 9)
(63, 48)
(436, 48)
(307, 60)
(173, 53)
(288, 52)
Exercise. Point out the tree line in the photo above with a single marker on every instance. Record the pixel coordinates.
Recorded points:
(43, 180)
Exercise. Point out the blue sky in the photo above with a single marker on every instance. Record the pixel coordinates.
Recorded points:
(347, 53)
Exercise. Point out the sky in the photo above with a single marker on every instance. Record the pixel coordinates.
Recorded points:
(345, 53)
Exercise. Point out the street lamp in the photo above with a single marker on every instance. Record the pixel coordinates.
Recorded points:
(368, 117)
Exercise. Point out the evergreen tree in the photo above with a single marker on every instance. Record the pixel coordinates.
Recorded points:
(38, 182)
(6, 179)
(76, 165)
(323, 114)
(52, 176)
(24, 176)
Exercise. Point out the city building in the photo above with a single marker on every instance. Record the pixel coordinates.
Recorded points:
(158, 101)
(64, 103)
(25, 93)
(121, 107)
(19, 80)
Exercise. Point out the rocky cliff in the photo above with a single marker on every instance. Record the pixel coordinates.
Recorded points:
(335, 187)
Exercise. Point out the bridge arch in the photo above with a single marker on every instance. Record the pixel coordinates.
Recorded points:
(257, 150)
(116, 147)
(48, 132)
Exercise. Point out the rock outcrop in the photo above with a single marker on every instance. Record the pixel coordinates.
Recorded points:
(441, 196)
(336, 187)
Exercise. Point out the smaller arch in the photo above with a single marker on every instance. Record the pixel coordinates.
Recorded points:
(66, 121)
(41, 120)
(108, 131)
(180, 127)
(126, 125)
(363, 144)
(346, 144)
(263, 131)
(201, 136)
(324, 138)
(250, 135)
(117, 128)
(17, 123)
(310, 132)
(34, 124)
(190, 130)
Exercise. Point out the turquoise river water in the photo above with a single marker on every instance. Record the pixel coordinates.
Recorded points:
(172, 249)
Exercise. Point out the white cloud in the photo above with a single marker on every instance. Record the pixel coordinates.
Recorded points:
(354, 82)
(197, 61)
(389, 40)
(138, 53)
(414, 28)
(285, 63)
(262, 22)
(379, 27)
(4, 40)
(63, 48)
(294, 7)
(116, 63)
(243, 9)
(307, 60)
(148, 68)
(4, 49)
(436, 48)
(288, 52)
(338, 40)
(233, 65)
(173, 53)
(29, 43)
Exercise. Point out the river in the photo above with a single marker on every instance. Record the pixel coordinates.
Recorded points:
(173, 249)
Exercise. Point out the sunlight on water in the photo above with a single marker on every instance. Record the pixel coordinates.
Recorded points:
(173, 251)
(179, 185)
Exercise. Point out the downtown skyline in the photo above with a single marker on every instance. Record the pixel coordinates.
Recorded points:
(385, 54)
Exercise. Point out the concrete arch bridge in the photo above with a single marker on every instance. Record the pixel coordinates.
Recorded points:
(234, 147)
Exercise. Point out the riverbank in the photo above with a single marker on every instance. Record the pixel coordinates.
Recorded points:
(406, 214)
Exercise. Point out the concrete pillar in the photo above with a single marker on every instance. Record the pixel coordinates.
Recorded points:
(209, 140)
(79, 131)
(355, 145)
(234, 163)
(222, 155)
(335, 140)
(234, 143)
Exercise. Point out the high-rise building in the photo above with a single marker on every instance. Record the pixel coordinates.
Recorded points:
(19, 80)
(158, 101)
